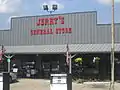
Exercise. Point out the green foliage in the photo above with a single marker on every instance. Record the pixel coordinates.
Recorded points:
(78, 60)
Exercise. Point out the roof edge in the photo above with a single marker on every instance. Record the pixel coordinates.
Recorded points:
(5, 29)
(56, 14)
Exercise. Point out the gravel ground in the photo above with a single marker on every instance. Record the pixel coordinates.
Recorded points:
(41, 84)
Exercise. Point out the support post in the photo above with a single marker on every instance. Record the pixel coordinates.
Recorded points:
(112, 49)
(70, 64)
(8, 66)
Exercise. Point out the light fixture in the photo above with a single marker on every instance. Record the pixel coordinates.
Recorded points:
(54, 7)
(45, 7)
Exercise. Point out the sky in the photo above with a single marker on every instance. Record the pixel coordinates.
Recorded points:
(17, 8)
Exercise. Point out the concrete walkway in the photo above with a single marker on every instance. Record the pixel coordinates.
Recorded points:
(41, 84)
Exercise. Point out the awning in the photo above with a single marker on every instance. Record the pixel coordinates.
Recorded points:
(74, 48)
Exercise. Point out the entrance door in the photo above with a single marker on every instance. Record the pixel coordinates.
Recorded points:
(50, 64)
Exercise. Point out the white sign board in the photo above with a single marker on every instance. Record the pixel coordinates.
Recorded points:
(1, 78)
(61, 80)
(58, 87)
(58, 82)
(1, 82)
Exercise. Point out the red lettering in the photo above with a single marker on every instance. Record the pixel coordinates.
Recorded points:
(32, 32)
(47, 31)
(46, 21)
(55, 19)
(51, 21)
(38, 23)
(41, 32)
(42, 21)
(35, 32)
(70, 30)
(61, 18)
(38, 31)
(50, 31)
(63, 30)
(66, 30)
(58, 30)
(44, 31)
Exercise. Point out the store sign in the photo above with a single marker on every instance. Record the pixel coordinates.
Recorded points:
(48, 22)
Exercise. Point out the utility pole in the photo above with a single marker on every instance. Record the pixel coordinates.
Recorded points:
(113, 48)
(69, 63)
(69, 59)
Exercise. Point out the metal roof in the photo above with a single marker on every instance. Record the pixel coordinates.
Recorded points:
(50, 49)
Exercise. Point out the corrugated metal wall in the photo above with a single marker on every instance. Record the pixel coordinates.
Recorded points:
(84, 31)
(81, 24)
(103, 34)
(5, 37)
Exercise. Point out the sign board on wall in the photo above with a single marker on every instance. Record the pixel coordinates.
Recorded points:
(48, 22)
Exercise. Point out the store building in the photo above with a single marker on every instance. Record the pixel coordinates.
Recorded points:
(42, 39)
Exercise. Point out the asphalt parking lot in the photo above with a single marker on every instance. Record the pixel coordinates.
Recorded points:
(41, 84)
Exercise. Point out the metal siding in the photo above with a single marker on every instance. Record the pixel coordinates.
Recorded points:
(1, 37)
(5, 37)
(93, 28)
(81, 27)
(117, 33)
(104, 33)
(84, 31)
(79, 35)
(101, 34)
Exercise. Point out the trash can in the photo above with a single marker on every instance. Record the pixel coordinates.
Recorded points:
(4, 81)
(60, 82)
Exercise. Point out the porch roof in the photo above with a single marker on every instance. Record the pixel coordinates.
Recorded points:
(51, 49)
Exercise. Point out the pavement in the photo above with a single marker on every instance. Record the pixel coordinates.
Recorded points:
(41, 84)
